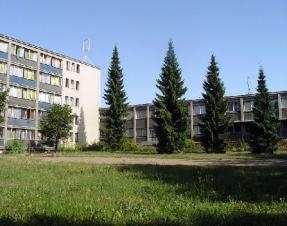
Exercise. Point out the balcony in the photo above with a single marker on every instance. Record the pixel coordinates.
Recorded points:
(21, 102)
(23, 61)
(43, 105)
(22, 81)
(3, 77)
(50, 69)
(3, 55)
(21, 122)
(48, 87)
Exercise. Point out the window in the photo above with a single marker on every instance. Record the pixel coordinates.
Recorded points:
(141, 114)
(22, 72)
(196, 130)
(198, 109)
(77, 85)
(49, 98)
(24, 93)
(21, 113)
(68, 65)
(72, 101)
(72, 84)
(73, 67)
(67, 100)
(20, 134)
(71, 137)
(141, 132)
(76, 137)
(67, 83)
(24, 53)
(76, 120)
(78, 68)
(3, 47)
(233, 106)
(2, 87)
(3, 68)
(77, 102)
(248, 105)
(45, 59)
(130, 115)
(284, 101)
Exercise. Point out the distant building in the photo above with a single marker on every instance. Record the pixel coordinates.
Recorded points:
(37, 78)
(139, 124)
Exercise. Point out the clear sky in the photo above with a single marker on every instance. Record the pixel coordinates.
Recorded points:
(242, 34)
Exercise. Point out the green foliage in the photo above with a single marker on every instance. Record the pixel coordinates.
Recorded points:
(3, 96)
(215, 122)
(16, 146)
(57, 123)
(193, 147)
(98, 146)
(129, 145)
(116, 99)
(170, 114)
(75, 148)
(282, 145)
(241, 146)
(265, 126)
(41, 193)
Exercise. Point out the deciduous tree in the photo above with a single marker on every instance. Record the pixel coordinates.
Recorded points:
(56, 123)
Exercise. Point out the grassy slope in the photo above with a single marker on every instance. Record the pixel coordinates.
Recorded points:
(34, 193)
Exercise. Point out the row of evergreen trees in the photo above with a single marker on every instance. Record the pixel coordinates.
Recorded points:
(171, 114)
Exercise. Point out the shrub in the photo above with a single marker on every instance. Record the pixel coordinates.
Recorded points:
(192, 147)
(130, 145)
(16, 146)
(282, 145)
(99, 146)
(75, 148)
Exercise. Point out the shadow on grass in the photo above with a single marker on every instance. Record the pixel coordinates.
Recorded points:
(197, 220)
(249, 184)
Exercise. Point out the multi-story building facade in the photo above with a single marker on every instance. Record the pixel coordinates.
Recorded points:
(36, 78)
(139, 125)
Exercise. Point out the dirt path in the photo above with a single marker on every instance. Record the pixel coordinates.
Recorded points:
(157, 161)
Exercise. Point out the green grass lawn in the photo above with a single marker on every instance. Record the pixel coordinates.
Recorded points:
(43, 193)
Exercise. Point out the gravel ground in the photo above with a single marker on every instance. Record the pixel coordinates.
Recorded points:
(156, 161)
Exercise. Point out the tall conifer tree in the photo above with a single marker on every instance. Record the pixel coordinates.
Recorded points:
(265, 126)
(116, 99)
(215, 122)
(170, 115)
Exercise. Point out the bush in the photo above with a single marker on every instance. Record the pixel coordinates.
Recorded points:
(76, 148)
(282, 145)
(192, 147)
(99, 146)
(16, 146)
(130, 145)
(241, 146)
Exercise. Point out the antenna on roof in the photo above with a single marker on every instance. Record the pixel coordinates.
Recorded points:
(248, 86)
(86, 49)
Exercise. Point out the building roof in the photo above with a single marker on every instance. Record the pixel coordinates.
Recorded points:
(48, 51)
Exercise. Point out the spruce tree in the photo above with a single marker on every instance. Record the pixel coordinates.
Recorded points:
(116, 99)
(170, 114)
(215, 122)
(265, 127)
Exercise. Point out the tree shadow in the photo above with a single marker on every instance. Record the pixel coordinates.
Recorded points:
(198, 219)
(82, 129)
(218, 183)
(45, 220)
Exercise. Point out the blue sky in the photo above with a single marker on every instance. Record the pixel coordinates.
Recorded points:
(243, 35)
